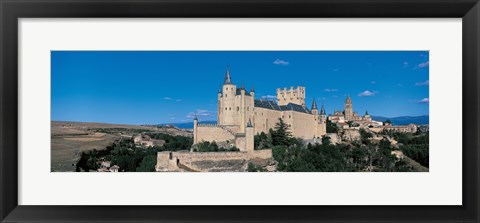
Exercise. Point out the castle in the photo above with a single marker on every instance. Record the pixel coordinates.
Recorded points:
(241, 116)
(349, 115)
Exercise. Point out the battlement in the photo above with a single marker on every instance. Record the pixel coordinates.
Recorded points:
(208, 125)
(291, 95)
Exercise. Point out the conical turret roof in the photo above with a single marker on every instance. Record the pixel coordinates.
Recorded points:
(227, 79)
(314, 104)
(249, 124)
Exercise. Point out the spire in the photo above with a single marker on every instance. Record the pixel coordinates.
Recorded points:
(314, 104)
(366, 112)
(322, 111)
(228, 79)
(195, 117)
(219, 90)
(243, 86)
(249, 123)
(252, 89)
(348, 100)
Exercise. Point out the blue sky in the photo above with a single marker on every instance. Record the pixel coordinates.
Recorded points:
(151, 87)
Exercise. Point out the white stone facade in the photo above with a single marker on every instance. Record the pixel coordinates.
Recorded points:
(241, 116)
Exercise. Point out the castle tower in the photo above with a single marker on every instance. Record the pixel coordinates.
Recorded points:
(348, 109)
(195, 130)
(292, 95)
(367, 117)
(226, 101)
(323, 116)
(314, 110)
(322, 122)
(242, 109)
(249, 135)
(252, 104)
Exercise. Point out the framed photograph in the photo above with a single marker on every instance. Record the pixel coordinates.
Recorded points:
(228, 111)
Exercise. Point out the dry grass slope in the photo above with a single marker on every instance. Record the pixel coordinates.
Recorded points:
(69, 139)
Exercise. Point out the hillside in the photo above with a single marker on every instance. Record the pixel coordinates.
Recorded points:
(69, 139)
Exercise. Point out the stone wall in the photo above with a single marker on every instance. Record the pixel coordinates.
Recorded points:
(334, 138)
(168, 161)
(214, 133)
(265, 119)
(352, 135)
(302, 125)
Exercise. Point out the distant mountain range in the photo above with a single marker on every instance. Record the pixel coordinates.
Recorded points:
(189, 125)
(402, 120)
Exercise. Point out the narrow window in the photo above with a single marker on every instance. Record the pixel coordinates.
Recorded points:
(238, 108)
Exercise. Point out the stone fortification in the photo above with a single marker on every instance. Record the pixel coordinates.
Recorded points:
(214, 132)
(241, 116)
(194, 161)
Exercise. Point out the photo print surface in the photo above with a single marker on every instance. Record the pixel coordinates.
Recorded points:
(239, 111)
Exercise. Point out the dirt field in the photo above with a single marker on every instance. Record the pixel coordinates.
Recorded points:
(69, 139)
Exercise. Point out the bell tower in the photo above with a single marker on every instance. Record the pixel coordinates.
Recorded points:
(348, 109)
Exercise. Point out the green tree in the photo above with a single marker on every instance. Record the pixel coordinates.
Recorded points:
(326, 140)
(331, 127)
(385, 144)
(262, 141)
(255, 168)
(279, 153)
(147, 164)
(281, 135)
(364, 136)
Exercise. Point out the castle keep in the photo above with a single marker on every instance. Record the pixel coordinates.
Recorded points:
(241, 116)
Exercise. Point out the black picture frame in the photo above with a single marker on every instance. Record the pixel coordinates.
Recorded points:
(12, 10)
